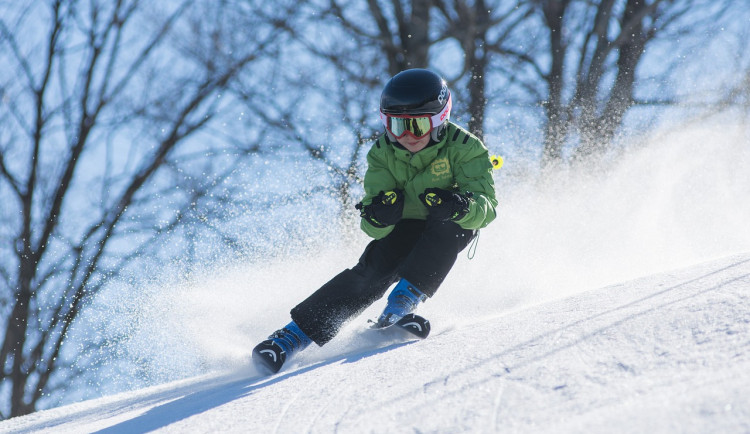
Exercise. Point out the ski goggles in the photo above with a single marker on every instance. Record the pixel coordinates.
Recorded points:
(417, 126)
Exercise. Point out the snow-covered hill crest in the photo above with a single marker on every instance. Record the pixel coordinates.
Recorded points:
(665, 353)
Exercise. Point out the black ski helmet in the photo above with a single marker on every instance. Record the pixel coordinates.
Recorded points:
(417, 92)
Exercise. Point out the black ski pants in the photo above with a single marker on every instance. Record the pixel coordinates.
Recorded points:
(421, 251)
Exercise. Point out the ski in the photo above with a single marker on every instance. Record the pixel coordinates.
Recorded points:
(268, 357)
(413, 324)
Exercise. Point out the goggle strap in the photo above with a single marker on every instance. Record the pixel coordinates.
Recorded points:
(444, 115)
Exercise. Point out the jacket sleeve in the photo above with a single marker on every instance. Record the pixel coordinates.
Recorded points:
(377, 178)
(474, 174)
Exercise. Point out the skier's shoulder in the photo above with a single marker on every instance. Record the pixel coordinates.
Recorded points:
(380, 149)
(462, 141)
(381, 145)
(456, 135)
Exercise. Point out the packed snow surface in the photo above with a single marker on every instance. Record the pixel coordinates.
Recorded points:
(665, 353)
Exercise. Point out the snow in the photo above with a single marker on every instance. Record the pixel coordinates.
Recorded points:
(668, 352)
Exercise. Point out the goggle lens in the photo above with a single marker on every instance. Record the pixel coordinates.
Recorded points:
(417, 126)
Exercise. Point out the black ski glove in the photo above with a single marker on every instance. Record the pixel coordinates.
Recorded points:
(445, 205)
(385, 210)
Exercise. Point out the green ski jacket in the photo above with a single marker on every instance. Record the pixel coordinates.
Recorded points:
(459, 162)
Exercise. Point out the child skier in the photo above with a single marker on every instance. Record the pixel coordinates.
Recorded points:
(428, 190)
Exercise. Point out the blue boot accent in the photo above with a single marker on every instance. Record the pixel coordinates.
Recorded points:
(291, 338)
(402, 300)
(271, 354)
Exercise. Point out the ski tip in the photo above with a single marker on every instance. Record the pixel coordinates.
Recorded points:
(268, 357)
(416, 325)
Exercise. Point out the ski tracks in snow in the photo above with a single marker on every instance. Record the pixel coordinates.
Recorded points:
(665, 353)
(599, 352)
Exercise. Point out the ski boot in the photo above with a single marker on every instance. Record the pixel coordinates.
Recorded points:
(271, 354)
(402, 300)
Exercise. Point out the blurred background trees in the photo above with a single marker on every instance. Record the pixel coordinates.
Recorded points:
(106, 147)
(133, 132)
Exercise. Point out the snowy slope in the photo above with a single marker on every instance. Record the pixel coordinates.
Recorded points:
(664, 353)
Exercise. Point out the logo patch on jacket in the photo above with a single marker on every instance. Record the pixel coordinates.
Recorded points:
(440, 168)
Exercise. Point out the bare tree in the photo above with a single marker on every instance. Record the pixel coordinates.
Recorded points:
(589, 63)
(332, 78)
(479, 27)
(578, 60)
(102, 106)
(401, 30)
(402, 34)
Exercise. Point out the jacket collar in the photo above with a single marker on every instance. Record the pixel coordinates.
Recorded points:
(422, 158)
